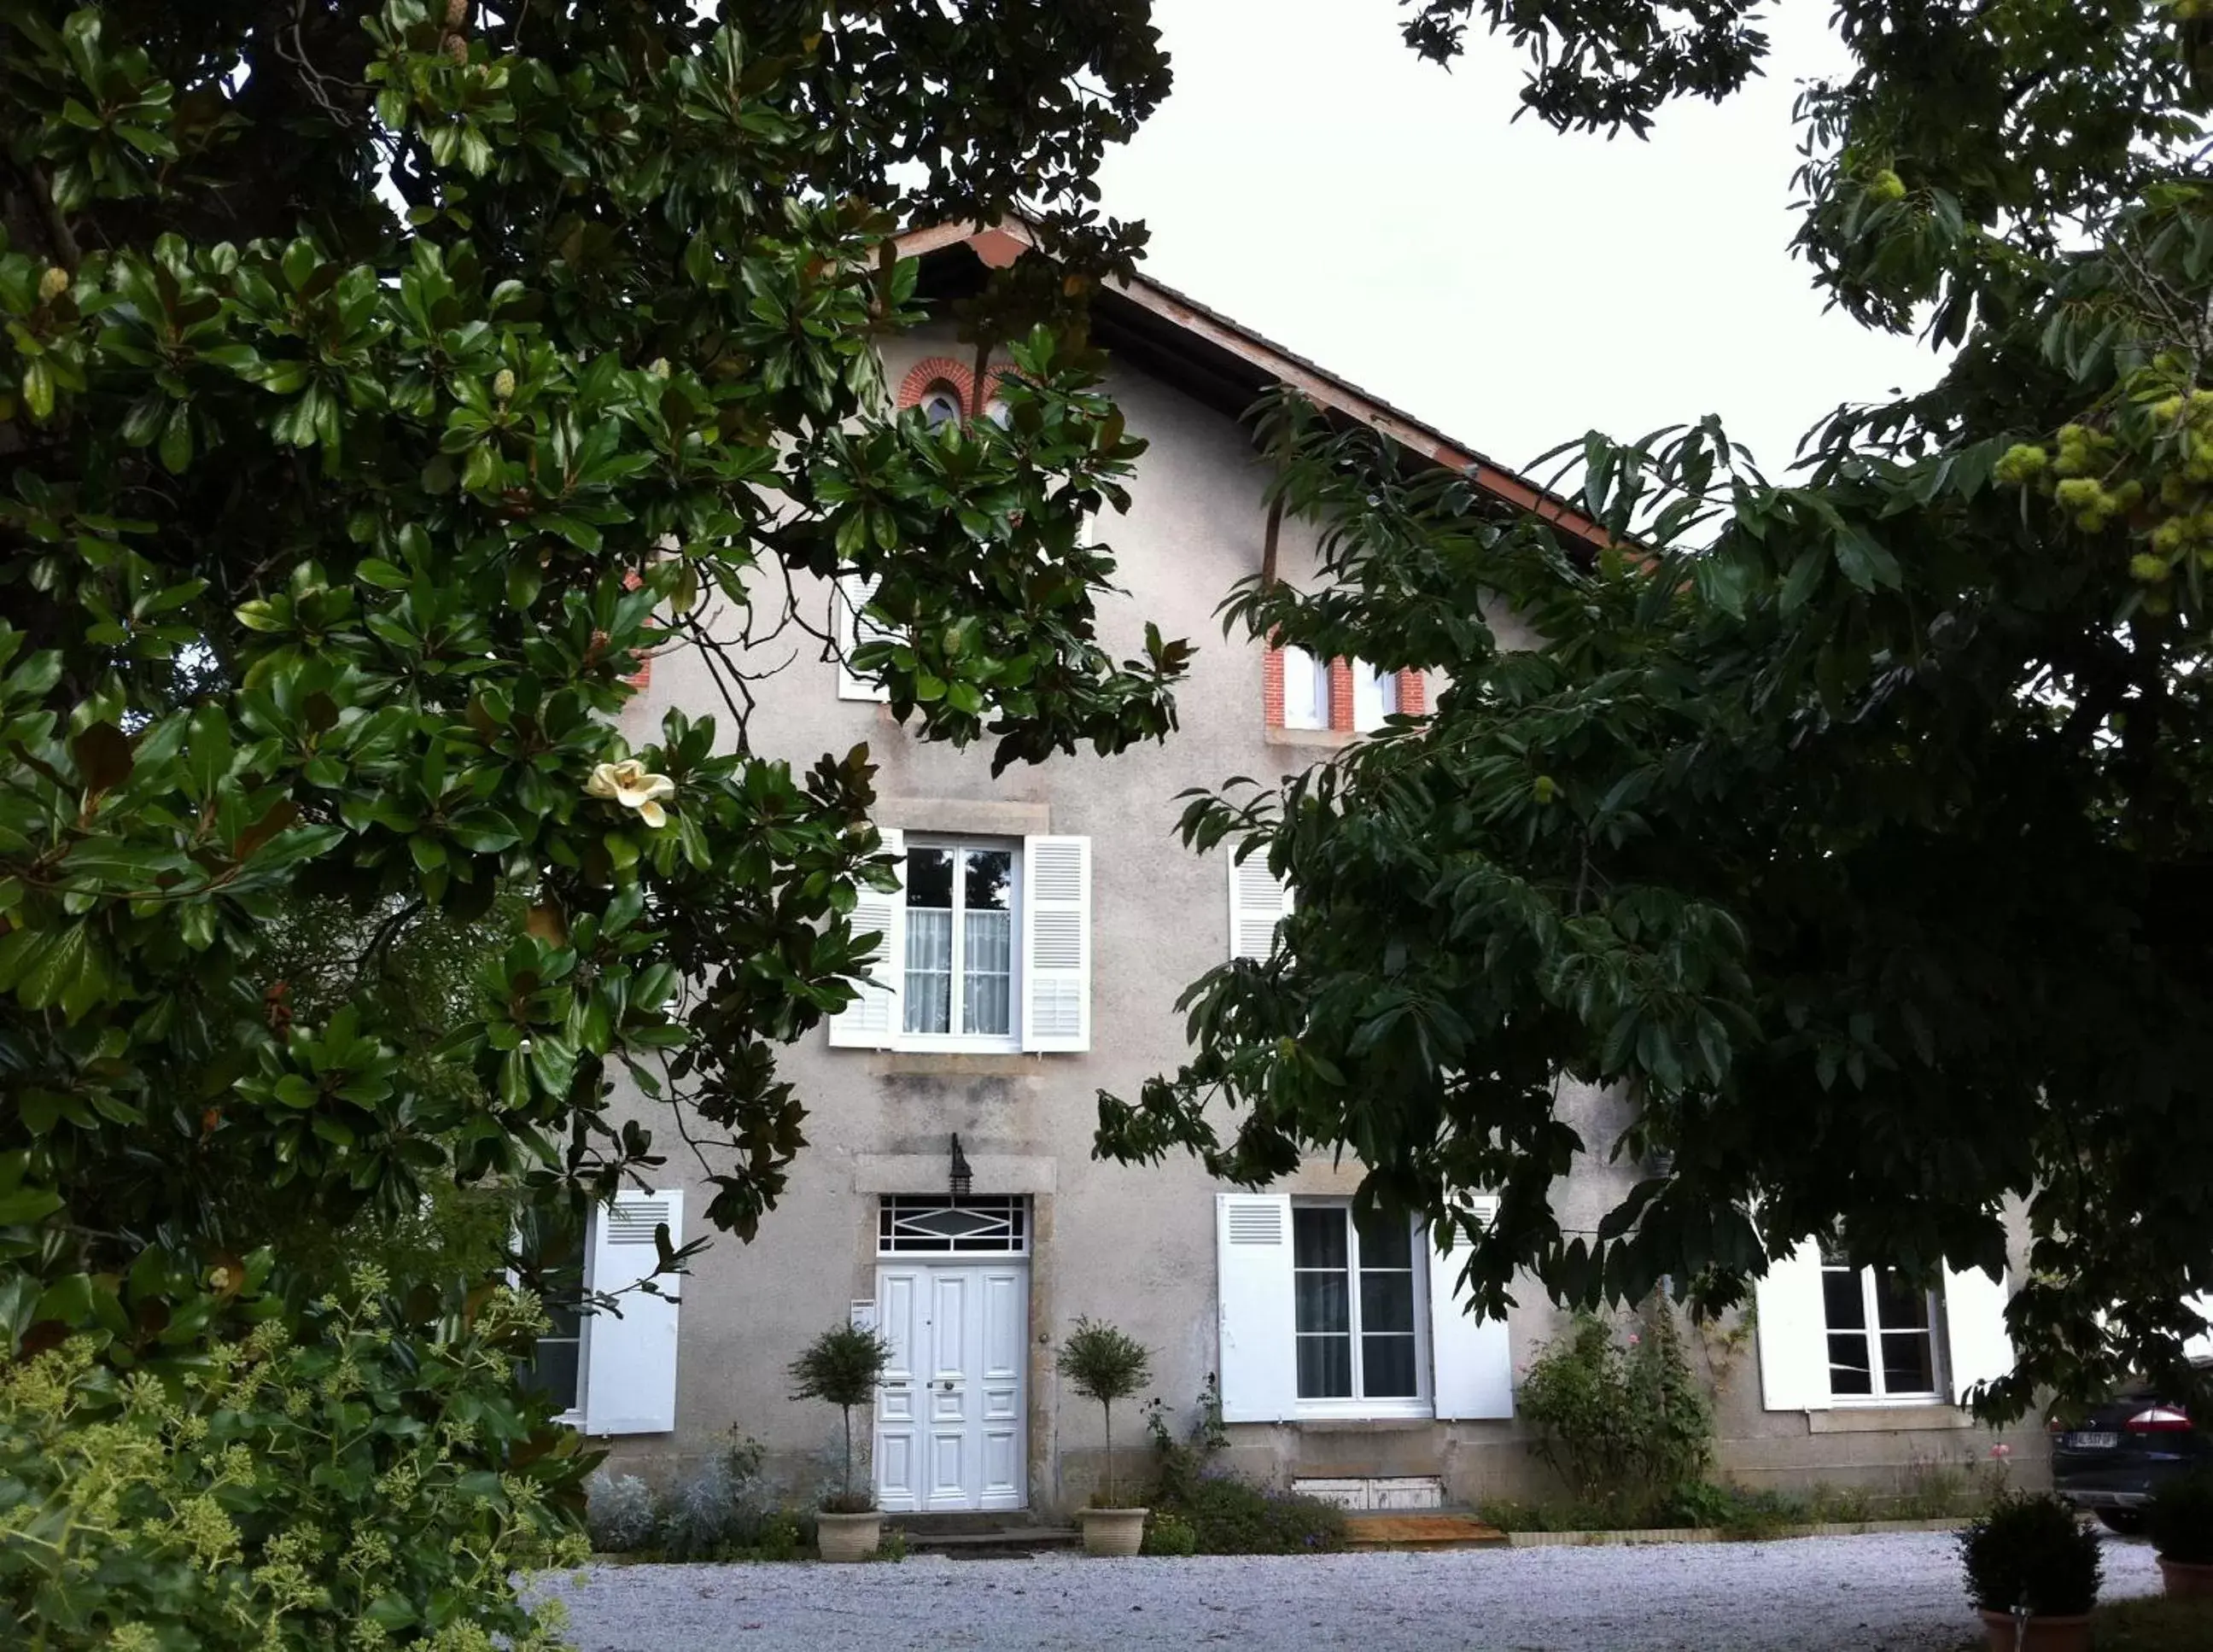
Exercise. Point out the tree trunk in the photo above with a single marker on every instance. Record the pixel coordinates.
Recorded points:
(849, 1453)
(1108, 1406)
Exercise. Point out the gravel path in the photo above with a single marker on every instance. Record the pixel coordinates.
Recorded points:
(1898, 1592)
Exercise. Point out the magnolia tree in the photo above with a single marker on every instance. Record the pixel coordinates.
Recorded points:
(379, 385)
(1858, 825)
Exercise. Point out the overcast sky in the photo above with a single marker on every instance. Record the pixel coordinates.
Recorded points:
(1313, 179)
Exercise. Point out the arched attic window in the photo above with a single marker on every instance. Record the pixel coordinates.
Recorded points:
(940, 405)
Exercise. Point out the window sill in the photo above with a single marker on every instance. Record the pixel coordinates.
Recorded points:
(1369, 1423)
(1329, 737)
(1882, 1416)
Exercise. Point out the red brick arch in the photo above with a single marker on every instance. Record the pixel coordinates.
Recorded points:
(937, 369)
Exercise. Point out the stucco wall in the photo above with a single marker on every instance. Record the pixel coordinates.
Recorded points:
(1135, 1246)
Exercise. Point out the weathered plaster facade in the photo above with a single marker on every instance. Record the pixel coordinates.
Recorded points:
(1134, 1247)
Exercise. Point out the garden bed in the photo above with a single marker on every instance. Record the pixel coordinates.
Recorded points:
(1722, 1534)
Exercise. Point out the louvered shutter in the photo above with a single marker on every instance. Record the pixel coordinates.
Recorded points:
(629, 1361)
(852, 628)
(1471, 1358)
(1258, 1333)
(872, 1021)
(1976, 1337)
(1259, 901)
(1793, 1333)
(1056, 984)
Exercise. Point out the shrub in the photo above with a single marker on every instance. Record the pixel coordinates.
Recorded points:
(304, 1487)
(1233, 1516)
(1621, 1424)
(620, 1513)
(2180, 1519)
(1169, 1533)
(1106, 1365)
(1179, 1465)
(2032, 1552)
(843, 1366)
(720, 1508)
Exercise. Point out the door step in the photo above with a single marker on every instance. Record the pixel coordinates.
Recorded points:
(1423, 1531)
(968, 1537)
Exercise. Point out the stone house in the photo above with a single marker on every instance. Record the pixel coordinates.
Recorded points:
(1048, 920)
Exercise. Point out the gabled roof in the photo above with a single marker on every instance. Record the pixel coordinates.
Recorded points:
(1225, 365)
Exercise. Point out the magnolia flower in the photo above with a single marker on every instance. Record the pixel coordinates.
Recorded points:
(629, 783)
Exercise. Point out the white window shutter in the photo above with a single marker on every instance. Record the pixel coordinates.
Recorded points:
(1793, 1333)
(629, 1362)
(1471, 1358)
(1056, 983)
(1259, 901)
(1980, 1347)
(851, 630)
(1259, 1356)
(871, 1021)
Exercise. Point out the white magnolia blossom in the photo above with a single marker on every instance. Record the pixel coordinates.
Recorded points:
(632, 785)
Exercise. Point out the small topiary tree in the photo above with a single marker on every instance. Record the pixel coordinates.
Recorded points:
(843, 1366)
(2032, 1553)
(1105, 1365)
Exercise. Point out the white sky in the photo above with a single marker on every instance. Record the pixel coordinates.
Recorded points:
(1314, 180)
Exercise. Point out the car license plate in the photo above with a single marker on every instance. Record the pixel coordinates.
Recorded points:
(2099, 1441)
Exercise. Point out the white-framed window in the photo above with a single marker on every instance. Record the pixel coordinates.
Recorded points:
(1306, 689)
(1358, 1310)
(1375, 696)
(556, 1366)
(963, 1224)
(1882, 1334)
(985, 946)
(1834, 1337)
(1324, 1315)
(961, 956)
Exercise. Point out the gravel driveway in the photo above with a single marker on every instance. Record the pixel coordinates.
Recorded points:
(1899, 1592)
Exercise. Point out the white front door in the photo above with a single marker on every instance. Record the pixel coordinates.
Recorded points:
(951, 1415)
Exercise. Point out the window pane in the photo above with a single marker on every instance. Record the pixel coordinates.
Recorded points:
(1325, 1368)
(1909, 1366)
(552, 1372)
(989, 879)
(1305, 690)
(929, 999)
(1324, 1304)
(930, 878)
(1842, 1299)
(1386, 1367)
(987, 972)
(1318, 1239)
(1386, 1241)
(1387, 1302)
(1848, 1365)
(1899, 1306)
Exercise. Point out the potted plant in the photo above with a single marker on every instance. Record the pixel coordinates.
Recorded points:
(2181, 1520)
(844, 1365)
(1105, 1365)
(2033, 1572)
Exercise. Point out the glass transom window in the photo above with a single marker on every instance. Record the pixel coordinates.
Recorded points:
(919, 1224)
(960, 943)
(1356, 1304)
(1881, 1331)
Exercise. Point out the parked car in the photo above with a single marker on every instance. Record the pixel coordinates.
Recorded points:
(2111, 1459)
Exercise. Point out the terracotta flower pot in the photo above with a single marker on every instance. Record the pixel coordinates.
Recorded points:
(1112, 1531)
(2037, 1635)
(2186, 1577)
(850, 1537)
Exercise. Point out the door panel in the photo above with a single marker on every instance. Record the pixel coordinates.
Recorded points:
(951, 1418)
(900, 1299)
